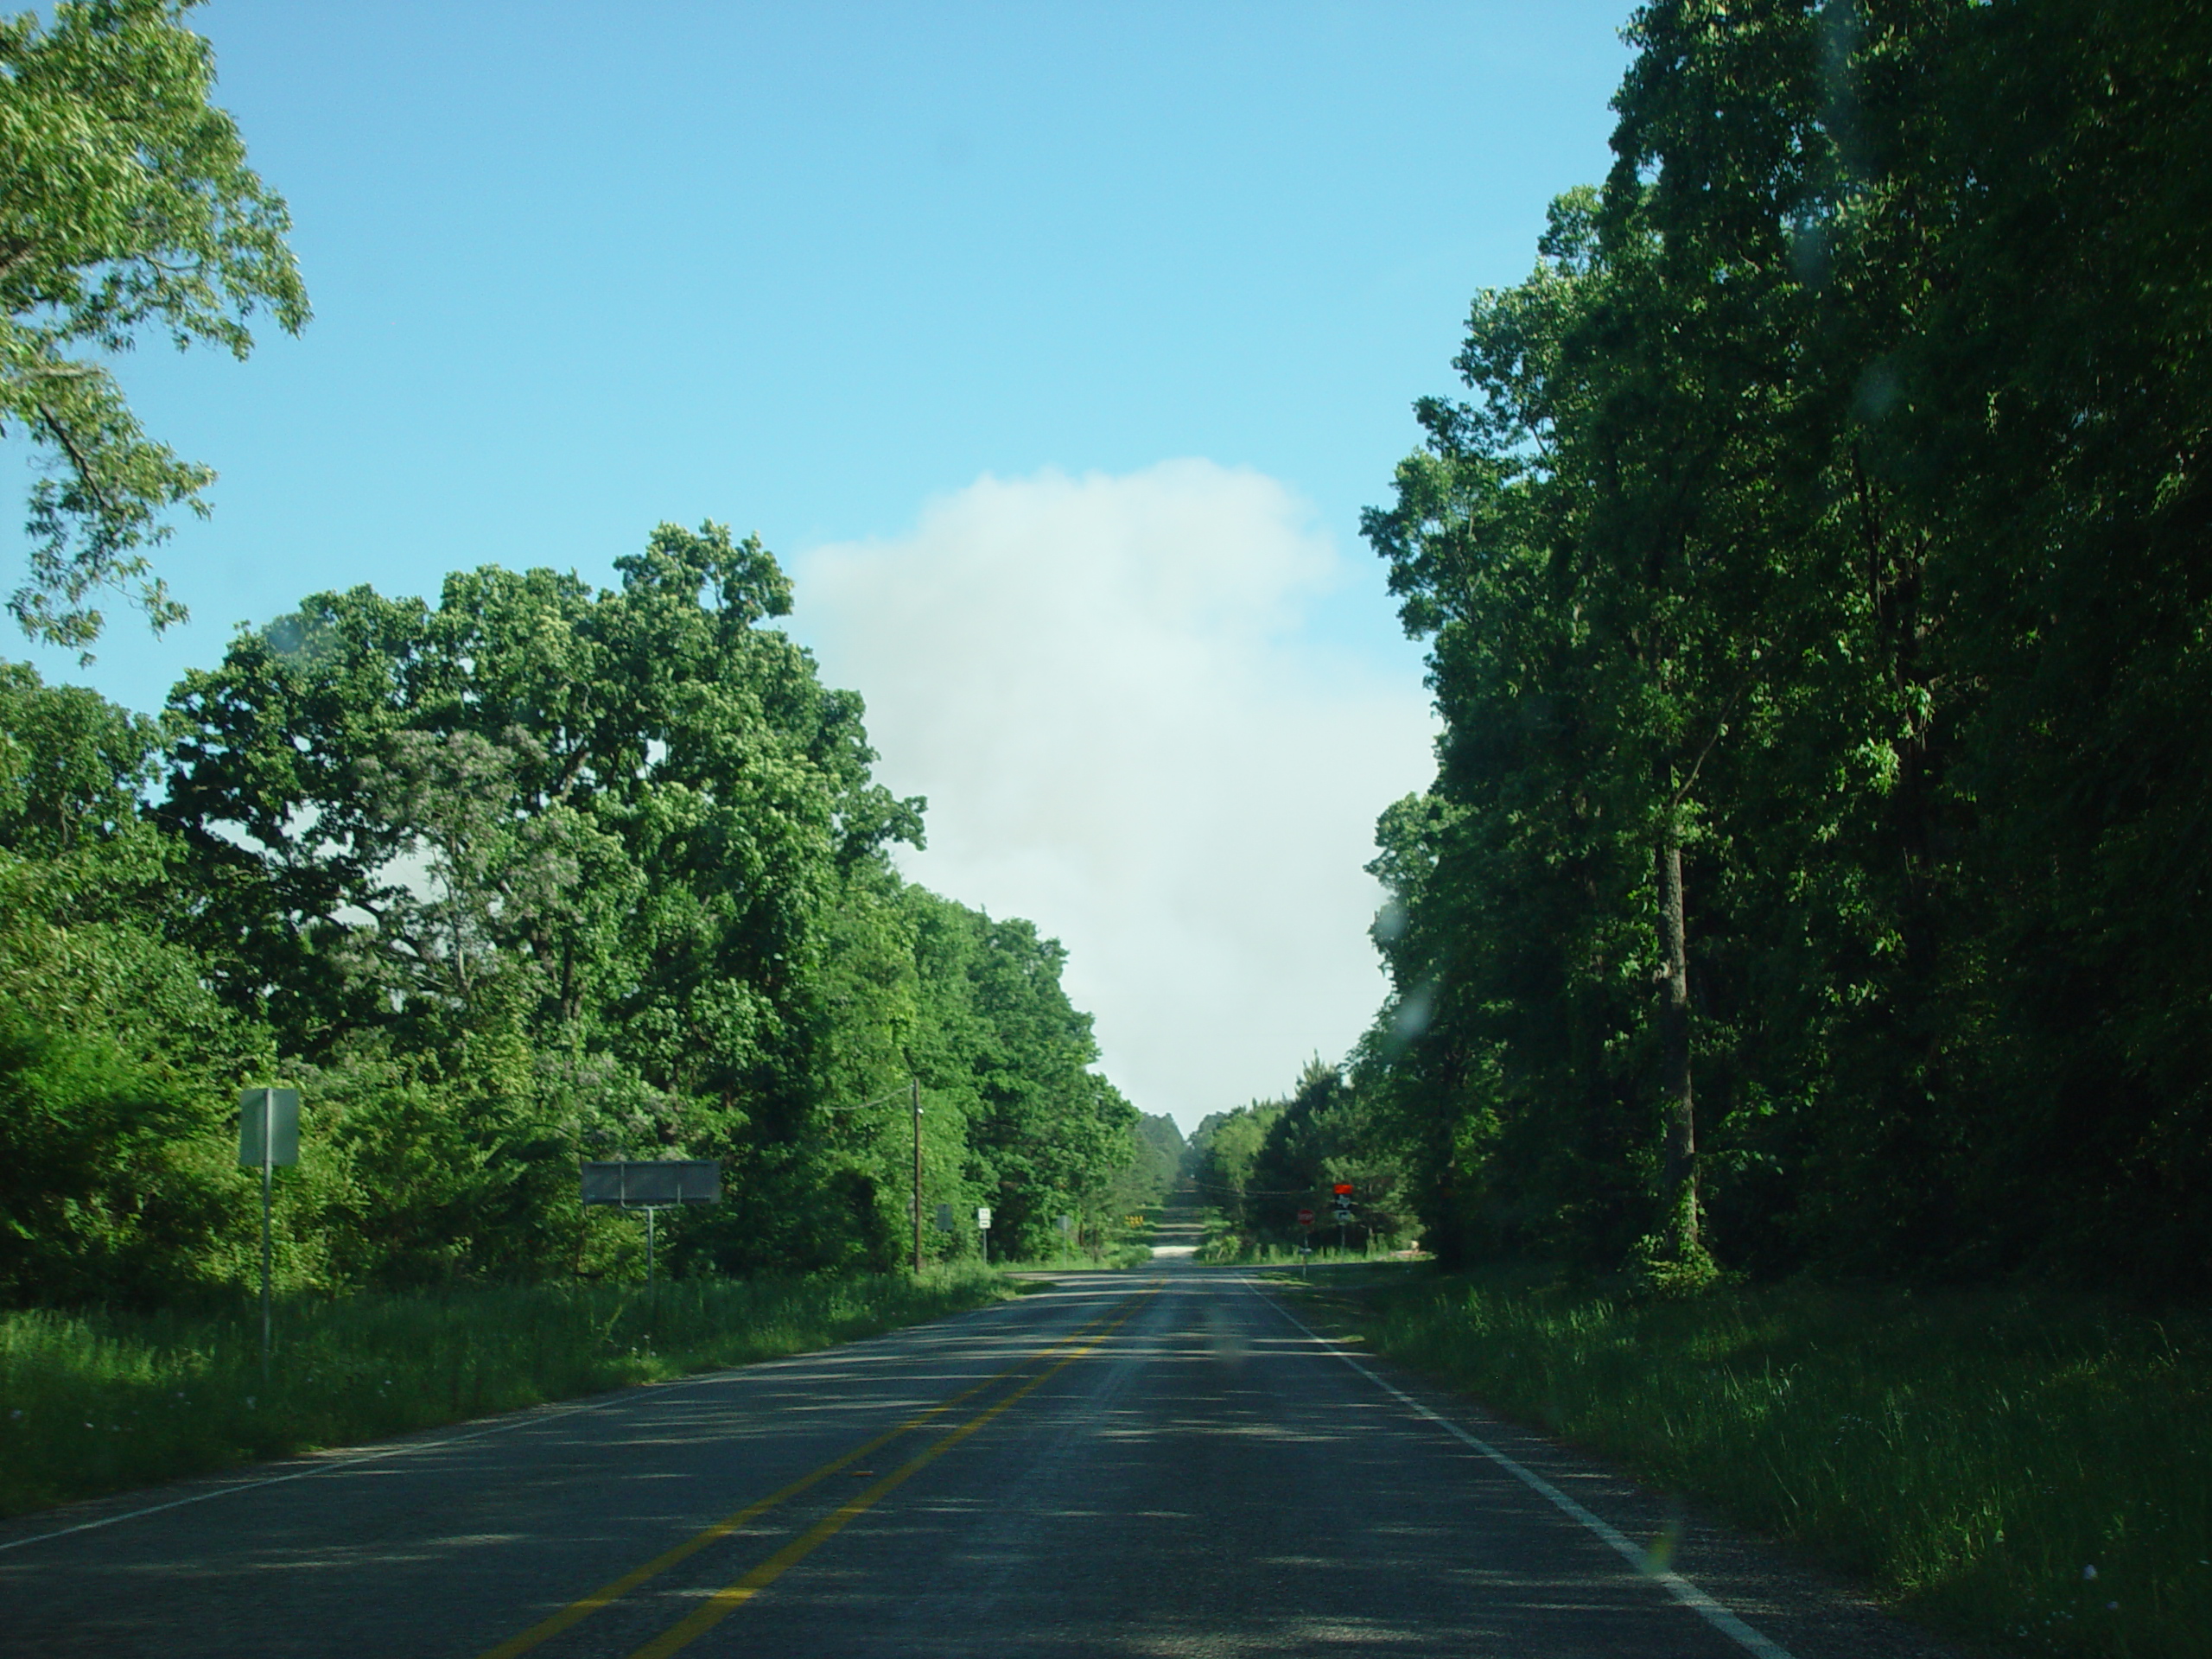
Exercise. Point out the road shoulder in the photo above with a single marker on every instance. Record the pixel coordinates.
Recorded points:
(1807, 1609)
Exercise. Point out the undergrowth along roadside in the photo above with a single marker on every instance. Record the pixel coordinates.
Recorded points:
(1112, 1258)
(2027, 1470)
(95, 1402)
(1232, 1252)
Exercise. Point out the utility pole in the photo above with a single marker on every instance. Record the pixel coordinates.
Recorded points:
(913, 1100)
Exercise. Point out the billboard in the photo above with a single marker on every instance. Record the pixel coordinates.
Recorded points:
(637, 1184)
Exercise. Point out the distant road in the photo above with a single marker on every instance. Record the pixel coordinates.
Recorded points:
(1163, 1463)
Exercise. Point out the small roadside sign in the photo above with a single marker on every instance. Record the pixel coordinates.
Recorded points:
(268, 1134)
(1305, 1217)
(1343, 1189)
(945, 1218)
(983, 1218)
(269, 1126)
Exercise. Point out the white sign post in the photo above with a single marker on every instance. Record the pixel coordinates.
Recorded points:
(983, 1226)
(268, 1134)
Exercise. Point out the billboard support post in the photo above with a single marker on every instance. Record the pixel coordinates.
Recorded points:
(651, 1186)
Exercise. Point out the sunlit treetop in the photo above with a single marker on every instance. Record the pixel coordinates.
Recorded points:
(126, 207)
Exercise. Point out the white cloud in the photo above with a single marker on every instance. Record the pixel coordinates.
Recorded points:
(1103, 686)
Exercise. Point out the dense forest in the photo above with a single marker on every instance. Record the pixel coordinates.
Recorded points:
(535, 874)
(1813, 574)
(1815, 579)
(1256, 1166)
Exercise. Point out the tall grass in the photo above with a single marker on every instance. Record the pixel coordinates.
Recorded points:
(98, 1402)
(1072, 1258)
(1228, 1244)
(1230, 1249)
(2028, 1470)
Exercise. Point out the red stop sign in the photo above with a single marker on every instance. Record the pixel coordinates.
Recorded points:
(1305, 1217)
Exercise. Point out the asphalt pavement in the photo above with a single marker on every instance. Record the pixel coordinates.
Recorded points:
(1163, 1462)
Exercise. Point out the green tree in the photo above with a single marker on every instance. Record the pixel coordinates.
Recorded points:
(1514, 1051)
(541, 872)
(1157, 1161)
(998, 1041)
(1221, 1154)
(116, 1064)
(537, 830)
(1324, 1136)
(535, 874)
(1811, 585)
(126, 207)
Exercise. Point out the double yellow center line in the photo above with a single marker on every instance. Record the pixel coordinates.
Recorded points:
(726, 1601)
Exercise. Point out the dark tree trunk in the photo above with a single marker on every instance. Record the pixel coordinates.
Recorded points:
(1680, 1172)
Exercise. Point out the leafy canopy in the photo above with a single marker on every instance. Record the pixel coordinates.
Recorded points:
(126, 207)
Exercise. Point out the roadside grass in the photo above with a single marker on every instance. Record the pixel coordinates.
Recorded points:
(2026, 1470)
(1122, 1253)
(1228, 1251)
(1227, 1246)
(94, 1403)
(1126, 1245)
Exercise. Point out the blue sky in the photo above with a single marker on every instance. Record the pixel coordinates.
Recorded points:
(869, 279)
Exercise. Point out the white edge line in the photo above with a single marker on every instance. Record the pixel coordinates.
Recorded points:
(1675, 1586)
(524, 1418)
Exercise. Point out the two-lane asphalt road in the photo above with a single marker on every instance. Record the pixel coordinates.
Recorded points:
(1158, 1464)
